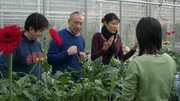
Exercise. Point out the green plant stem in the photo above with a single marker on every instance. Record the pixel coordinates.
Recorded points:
(83, 91)
(89, 94)
(34, 67)
(10, 75)
(39, 70)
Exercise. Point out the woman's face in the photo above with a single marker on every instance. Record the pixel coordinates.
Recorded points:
(112, 26)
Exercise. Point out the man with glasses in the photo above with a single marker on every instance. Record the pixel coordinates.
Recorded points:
(72, 49)
(25, 56)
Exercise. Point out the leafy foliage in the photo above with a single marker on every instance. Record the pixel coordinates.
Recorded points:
(99, 82)
(175, 55)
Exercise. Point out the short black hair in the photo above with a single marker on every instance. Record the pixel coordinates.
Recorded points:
(149, 35)
(37, 21)
(110, 17)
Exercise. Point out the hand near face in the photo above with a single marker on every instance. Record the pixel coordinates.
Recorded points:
(108, 43)
(72, 50)
(82, 56)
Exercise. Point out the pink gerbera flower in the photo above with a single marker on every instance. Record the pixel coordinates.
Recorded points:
(168, 33)
(173, 31)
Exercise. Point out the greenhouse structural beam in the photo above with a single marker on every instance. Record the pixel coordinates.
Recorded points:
(44, 35)
(120, 16)
(142, 2)
(85, 24)
(100, 17)
(38, 6)
(174, 25)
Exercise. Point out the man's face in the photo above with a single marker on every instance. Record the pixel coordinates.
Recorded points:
(35, 35)
(76, 24)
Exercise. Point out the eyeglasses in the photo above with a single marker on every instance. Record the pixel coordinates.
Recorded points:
(115, 24)
(76, 23)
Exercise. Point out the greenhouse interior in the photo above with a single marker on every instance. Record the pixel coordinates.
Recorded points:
(121, 75)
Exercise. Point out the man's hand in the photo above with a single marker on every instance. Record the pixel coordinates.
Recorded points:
(72, 50)
(82, 56)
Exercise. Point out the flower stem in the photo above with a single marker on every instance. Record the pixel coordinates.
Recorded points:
(10, 75)
(39, 70)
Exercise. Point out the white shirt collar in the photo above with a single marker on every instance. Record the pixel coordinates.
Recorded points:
(71, 32)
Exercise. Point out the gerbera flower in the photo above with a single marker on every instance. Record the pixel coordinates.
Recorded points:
(127, 49)
(168, 33)
(42, 59)
(9, 38)
(44, 38)
(166, 43)
(55, 36)
(173, 31)
(122, 46)
(87, 52)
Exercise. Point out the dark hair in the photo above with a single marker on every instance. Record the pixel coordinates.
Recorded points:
(37, 21)
(149, 35)
(74, 13)
(109, 17)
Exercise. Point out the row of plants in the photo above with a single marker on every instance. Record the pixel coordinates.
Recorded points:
(175, 55)
(100, 82)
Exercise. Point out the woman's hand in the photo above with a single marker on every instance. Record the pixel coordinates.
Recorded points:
(136, 45)
(108, 43)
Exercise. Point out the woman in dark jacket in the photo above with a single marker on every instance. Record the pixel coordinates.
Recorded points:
(108, 42)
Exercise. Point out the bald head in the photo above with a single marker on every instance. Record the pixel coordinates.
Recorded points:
(75, 13)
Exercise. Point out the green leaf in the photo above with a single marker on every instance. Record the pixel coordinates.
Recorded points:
(3, 89)
(5, 97)
(58, 74)
(64, 79)
(46, 77)
(31, 97)
(34, 87)
(21, 80)
(71, 93)
(70, 68)
(114, 62)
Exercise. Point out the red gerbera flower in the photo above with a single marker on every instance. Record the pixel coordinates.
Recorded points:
(173, 31)
(44, 38)
(87, 52)
(55, 36)
(9, 38)
(168, 33)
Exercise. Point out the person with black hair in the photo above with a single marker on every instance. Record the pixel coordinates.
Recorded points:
(25, 56)
(151, 75)
(108, 42)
